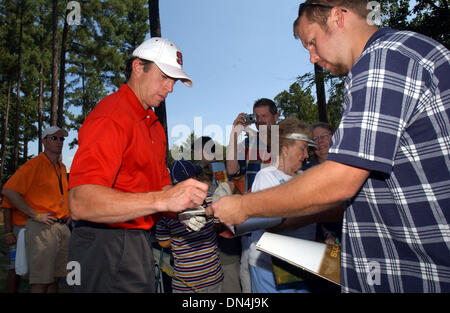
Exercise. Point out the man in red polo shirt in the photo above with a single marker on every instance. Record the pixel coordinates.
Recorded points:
(119, 183)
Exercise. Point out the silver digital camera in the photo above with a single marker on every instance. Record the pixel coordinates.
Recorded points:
(250, 119)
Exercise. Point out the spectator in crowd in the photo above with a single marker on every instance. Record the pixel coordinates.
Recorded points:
(204, 149)
(245, 159)
(197, 265)
(39, 190)
(322, 133)
(329, 233)
(229, 248)
(294, 139)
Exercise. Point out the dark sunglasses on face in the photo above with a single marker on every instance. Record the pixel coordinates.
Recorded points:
(312, 4)
(54, 138)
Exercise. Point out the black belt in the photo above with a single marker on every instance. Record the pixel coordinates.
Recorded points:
(82, 223)
(61, 220)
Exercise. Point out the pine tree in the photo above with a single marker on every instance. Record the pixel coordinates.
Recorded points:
(108, 34)
(428, 17)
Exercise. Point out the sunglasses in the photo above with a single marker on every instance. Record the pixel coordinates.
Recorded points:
(312, 4)
(54, 138)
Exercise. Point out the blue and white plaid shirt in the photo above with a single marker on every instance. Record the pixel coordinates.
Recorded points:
(396, 123)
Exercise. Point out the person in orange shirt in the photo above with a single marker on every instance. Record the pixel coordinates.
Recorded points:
(39, 190)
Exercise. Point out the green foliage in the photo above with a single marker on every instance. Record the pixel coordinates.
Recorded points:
(428, 17)
(108, 33)
(18, 20)
(97, 50)
(299, 101)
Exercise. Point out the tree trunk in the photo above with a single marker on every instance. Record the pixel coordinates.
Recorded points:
(85, 109)
(153, 14)
(25, 147)
(19, 78)
(5, 134)
(41, 88)
(155, 31)
(53, 102)
(62, 74)
(320, 91)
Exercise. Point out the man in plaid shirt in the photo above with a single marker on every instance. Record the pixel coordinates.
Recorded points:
(389, 159)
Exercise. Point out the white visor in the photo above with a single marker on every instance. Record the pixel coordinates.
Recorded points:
(297, 136)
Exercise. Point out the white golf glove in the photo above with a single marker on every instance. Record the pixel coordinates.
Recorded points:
(194, 219)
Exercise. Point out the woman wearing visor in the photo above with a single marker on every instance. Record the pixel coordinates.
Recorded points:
(294, 139)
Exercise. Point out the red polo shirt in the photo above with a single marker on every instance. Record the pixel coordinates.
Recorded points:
(122, 146)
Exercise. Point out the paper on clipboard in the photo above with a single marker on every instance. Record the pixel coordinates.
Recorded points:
(315, 257)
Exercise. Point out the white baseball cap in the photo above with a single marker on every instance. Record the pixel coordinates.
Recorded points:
(166, 55)
(52, 130)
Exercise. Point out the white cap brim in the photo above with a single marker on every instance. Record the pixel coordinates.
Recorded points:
(174, 72)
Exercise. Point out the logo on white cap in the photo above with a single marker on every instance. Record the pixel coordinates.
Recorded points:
(166, 55)
(179, 58)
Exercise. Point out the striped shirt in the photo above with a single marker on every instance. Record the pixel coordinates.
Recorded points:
(396, 124)
(196, 259)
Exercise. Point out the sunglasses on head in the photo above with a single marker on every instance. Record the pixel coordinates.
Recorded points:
(312, 4)
(54, 138)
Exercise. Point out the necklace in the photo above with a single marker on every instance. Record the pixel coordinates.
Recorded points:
(58, 175)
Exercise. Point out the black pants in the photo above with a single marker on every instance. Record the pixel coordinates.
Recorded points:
(112, 260)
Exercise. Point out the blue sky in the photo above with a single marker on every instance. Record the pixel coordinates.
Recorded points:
(235, 51)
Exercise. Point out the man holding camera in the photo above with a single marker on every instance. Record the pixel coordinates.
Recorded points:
(255, 148)
(246, 159)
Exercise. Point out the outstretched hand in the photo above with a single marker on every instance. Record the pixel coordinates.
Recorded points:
(228, 210)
